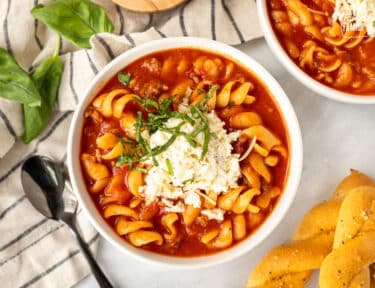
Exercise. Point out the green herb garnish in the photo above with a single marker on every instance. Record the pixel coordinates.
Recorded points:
(158, 113)
(169, 167)
(160, 149)
(207, 137)
(183, 116)
(202, 104)
(198, 130)
(189, 139)
(131, 153)
(188, 181)
(124, 78)
(143, 170)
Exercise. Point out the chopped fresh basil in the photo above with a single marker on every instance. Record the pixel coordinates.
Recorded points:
(169, 167)
(158, 114)
(124, 78)
(140, 169)
(188, 181)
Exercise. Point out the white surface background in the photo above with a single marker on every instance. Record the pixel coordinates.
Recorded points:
(336, 137)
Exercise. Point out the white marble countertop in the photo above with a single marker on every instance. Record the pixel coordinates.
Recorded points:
(336, 137)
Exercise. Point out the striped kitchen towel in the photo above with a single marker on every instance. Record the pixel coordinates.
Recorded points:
(34, 251)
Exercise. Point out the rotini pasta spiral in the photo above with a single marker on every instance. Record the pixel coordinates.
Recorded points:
(235, 97)
(168, 221)
(110, 104)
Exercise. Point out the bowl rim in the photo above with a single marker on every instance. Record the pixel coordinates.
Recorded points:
(275, 46)
(280, 99)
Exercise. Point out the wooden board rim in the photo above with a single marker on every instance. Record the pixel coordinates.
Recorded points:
(149, 6)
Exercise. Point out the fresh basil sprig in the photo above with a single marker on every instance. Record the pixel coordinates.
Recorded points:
(76, 20)
(15, 83)
(47, 78)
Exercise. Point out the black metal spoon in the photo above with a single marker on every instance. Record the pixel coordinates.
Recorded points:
(47, 187)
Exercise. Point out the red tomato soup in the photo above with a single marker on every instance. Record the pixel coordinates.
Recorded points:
(184, 153)
(343, 60)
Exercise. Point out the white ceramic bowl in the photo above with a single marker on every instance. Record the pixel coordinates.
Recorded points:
(298, 73)
(281, 100)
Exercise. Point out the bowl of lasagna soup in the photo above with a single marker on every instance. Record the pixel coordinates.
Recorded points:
(185, 152)
(328, 45)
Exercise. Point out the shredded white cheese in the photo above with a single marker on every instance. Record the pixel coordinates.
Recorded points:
(179, 207)
(355, 15)
(217, 172)
(215, 213)
(192, 198)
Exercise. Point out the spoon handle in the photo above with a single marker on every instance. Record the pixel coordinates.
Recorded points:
(96, 270)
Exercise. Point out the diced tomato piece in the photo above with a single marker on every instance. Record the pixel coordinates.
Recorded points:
(148, 212)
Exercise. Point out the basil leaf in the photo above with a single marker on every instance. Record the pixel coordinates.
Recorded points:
(15, 83)
(76, 20)
(124, 78)
(47, 79)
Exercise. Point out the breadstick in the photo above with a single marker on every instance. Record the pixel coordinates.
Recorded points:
(291, 265)
(354, 244)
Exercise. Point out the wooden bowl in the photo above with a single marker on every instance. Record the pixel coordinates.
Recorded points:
(149, 6)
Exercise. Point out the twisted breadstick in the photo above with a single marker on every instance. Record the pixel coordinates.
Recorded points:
(354, 244)
(291, 265)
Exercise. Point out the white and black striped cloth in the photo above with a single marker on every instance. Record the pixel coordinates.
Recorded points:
(34, 251)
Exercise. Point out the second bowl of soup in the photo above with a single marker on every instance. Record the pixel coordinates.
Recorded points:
(316, 49)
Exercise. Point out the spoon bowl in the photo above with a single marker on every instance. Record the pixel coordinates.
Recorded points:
(43, 182)
(47, 187)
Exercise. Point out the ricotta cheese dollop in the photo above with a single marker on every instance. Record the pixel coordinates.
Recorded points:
(181, 176)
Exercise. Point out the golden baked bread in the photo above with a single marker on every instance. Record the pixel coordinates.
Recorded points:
(291, 265)
(354, 244)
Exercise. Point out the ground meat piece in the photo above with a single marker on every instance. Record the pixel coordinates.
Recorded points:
(93, 114)
(153, 88)
(240, 78)
(150, 89)
(153, 65)
(193, 76)
(202, 220)
(369, 71)
(147, 212)
(240, 145)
